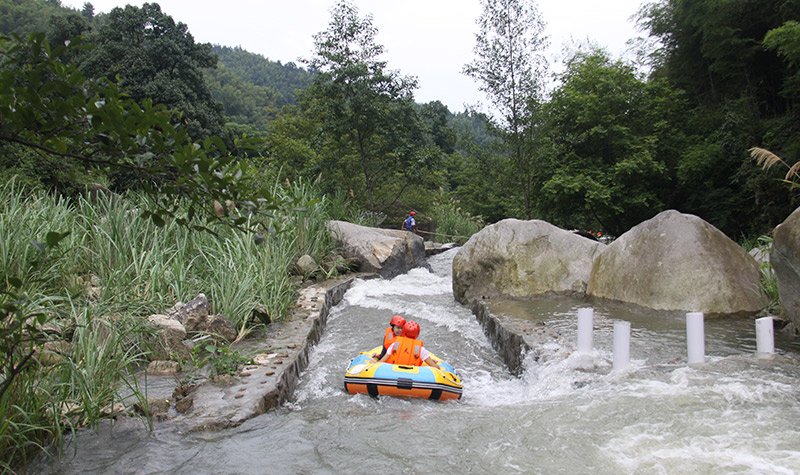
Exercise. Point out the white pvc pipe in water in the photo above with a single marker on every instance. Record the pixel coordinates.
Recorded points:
(585, 328)
(765, 336)
(695, 337)
(622, 345)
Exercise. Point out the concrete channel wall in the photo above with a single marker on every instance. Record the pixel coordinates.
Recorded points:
(319, 299)
(514, 334)
(509, 342)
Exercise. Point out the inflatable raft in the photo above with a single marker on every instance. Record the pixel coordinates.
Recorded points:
(365, 376)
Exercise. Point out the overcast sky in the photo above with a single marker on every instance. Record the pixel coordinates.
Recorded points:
(429, 39)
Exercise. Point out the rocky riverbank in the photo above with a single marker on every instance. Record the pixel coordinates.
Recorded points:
(281, 355)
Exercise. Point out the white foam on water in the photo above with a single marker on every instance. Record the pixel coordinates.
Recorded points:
(417, 282)
(673, 448)
(431, 301)
(728, 415)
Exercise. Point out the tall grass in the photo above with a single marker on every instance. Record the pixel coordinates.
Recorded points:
(454, 224)
(339, 206)
(101, 358)
(24, 220)
(111, 272)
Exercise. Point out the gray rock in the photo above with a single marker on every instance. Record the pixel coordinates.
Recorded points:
(306, 265)
(53, 352)
(760, 254)
(516, 258)
(194, 314)
(168, 339)
(222, 327)
(153, 406)
(387, 252)
(677, 261)
(785, 260)
(433, 248)
(163, 368)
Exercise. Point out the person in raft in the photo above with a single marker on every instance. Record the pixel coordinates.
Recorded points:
(410, 224)
(407, 350)
(393, 331)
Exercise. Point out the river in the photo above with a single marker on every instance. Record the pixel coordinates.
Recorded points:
(567, 413)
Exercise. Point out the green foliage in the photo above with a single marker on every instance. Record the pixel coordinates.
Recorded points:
(769, 282)
(713, 51)
(219, 359)
(251, 88)
(339, 206)
(785, 40)
(435, 116)
(100, 360)
(97, 284)
(371, 139)
(26, 16)
(243, 102)
(510, 68)
(736, 62)
(54, 109)
(156, 59)
(613, 137)
(454, 224)
(25, 388)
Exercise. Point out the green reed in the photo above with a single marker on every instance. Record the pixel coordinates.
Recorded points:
(105, 277)
(453, 224)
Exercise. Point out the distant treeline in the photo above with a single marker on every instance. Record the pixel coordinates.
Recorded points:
(606, 148)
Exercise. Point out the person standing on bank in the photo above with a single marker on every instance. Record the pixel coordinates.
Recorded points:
(410, 224)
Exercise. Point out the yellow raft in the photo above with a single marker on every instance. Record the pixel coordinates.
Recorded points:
(365, 376)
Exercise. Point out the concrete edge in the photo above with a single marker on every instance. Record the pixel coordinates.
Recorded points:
(509, 344)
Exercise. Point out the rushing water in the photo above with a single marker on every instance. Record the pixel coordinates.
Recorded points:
(567, 413)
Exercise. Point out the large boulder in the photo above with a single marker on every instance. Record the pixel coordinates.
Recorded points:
(514, 258)
(387, 252)
(677, 261)
(785, 260)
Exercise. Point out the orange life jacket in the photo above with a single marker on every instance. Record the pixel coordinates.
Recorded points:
(407, 351)
(389, 338)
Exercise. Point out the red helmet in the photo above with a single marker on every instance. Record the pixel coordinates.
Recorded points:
(412, 213)
(411, 330)
(398, 321)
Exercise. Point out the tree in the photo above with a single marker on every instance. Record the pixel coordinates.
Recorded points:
(25, 16)
(87, 11)
(510, 66)
(786, 41)
(736, 61)
(51, 108)
(157, 59)
(435, 115)
(615, 141)
(371, 131)
(713, 49)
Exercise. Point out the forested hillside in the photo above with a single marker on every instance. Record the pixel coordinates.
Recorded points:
(251, 88)
(605, 148)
